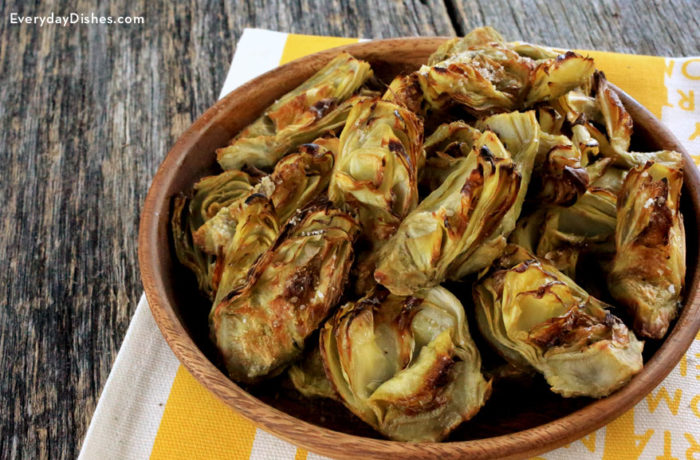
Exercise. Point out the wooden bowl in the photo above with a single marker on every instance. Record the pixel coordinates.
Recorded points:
(510, 425)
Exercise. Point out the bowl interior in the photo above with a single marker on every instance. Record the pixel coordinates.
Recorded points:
(182, 313)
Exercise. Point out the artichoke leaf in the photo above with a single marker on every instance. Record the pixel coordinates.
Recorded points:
(648, 270)
(538, 317)
(576, 105)
(405, 365)
(618, 123)
(535, 52)
(669, 158)
(261, 328)
(551, 121)
(610, 180)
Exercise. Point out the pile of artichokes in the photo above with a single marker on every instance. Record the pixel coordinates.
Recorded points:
(498, 167)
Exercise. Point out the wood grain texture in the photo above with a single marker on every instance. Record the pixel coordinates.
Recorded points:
(88, 113)
(654, 27)
(509, 426)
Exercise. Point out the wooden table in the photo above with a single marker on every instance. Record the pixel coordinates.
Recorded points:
(88, 113)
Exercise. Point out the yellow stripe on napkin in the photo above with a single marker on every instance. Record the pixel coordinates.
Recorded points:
(302, 45)
(196, 425)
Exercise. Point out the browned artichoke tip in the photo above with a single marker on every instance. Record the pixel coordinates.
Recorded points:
(551, 120)
(405, 90)
(261, 328)
(535, 52)
(405, 365)
(317, 106)
(648, 271)
(618, 123)
(562, 178)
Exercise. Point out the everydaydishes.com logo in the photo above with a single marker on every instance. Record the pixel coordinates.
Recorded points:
(74, 18)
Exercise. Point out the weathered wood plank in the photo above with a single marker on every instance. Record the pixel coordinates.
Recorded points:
(88, 113)
(656, 27)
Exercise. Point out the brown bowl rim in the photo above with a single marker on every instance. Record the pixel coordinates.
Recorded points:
(324, 441)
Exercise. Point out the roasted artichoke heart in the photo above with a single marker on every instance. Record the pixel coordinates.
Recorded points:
(296, 180)
(261, 328)
(405, 365)
(554, 77)
(481, 36)
(484, 74)
(210, 195)
(649, 267)
(318, 105)
(519, 133)
(376, 172)
(484, 79)
(458, 228)
(256, 229)
(536, 316)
